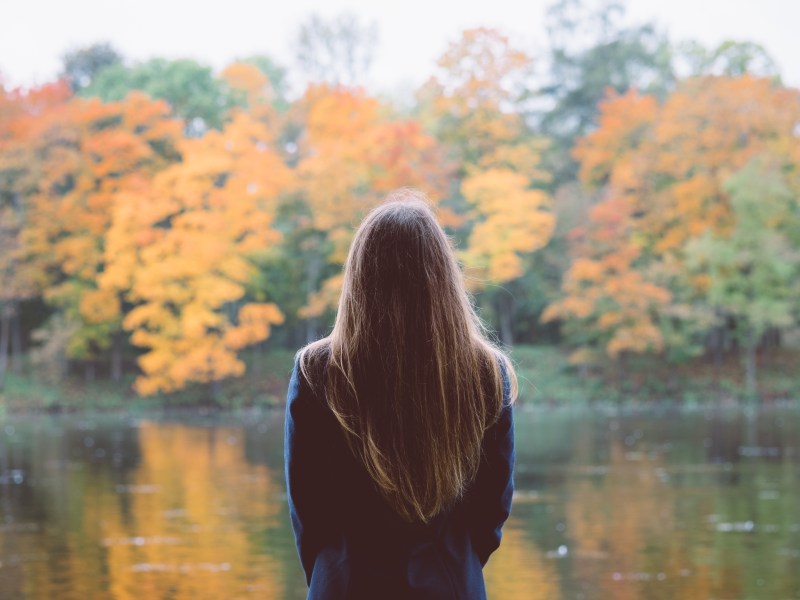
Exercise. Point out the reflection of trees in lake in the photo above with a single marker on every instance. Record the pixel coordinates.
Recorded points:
(197, 508)
(197, 524)
(691, 518)
(617, 523)
(519, 570)
(186, 516)
(50, 517)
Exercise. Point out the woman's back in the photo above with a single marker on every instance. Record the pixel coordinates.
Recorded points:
(399, 436)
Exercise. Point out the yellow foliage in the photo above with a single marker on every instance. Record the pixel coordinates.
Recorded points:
(478, 78)
(99, 306)
(587, 269)
(220, 203)
(515, 220)
(255, 320)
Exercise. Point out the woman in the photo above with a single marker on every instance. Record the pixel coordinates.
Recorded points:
(399, 441)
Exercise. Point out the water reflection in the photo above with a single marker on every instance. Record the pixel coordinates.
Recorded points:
(642, 505)
(141, 509)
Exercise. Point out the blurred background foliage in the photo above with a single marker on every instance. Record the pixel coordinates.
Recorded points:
(627, 204)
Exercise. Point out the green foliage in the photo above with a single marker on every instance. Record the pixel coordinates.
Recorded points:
(547, 377)
(191, 89)
(754, 272)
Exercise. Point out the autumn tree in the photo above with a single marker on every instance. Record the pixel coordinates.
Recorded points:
(665, 167)
(592, 48)
(351, 151)
(612, 305)
(751, 274)
(474, 104)
(24, 114)
(184, 250)
(608, 305)
(90, 155)
(474, 99)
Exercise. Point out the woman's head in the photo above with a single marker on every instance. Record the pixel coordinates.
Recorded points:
(412, 376)
(402, 282)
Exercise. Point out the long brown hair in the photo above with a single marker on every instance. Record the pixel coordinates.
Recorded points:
(412, 375)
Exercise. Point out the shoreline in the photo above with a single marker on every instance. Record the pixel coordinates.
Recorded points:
(546, 380)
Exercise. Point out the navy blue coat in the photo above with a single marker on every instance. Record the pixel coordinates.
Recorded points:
(352, 545)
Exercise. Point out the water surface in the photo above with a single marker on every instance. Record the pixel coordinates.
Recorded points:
(657, 504)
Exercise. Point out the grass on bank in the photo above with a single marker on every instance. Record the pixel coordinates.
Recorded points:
(545, 377)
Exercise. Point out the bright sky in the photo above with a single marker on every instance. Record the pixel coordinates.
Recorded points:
(412, 33)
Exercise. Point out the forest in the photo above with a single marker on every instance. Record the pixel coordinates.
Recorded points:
(625, 207)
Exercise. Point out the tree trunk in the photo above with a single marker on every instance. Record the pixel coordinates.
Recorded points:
(673, 386)
(749, 364)
(311, 329)
(622, 374)
(255, 356)
(5, 334)
(88, 371)
(216, 391)
(16, 342)
(505, 308)
(716, 345)
(770, 343)
(116, 357)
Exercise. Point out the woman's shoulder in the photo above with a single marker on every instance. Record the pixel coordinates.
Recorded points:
(311, 363)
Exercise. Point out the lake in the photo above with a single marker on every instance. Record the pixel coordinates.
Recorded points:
(649, 504)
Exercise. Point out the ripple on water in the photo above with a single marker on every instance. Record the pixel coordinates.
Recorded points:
(759, 451)
(180, 568)
(140, 541)
(19, 527)
(638, 576)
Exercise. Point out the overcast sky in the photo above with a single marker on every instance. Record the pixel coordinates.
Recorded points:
(412, 33)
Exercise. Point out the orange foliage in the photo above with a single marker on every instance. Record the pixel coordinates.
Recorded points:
(605, 290)
(351, 153)
(83, 154)
(623, 128)
(24, 115)
(660, 170)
